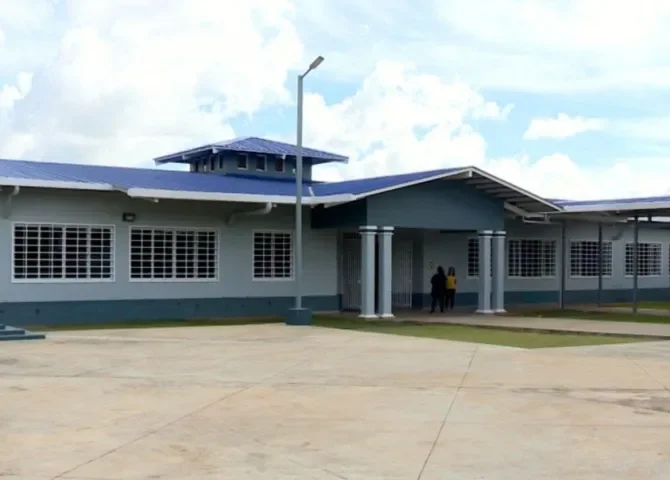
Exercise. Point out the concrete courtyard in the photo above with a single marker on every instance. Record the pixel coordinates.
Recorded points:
(276, 402)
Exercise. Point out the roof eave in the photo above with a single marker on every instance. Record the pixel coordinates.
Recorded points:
(639, 208)
(525, 193)
(162, 194)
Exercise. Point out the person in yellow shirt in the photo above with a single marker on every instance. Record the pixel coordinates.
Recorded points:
(451, 288)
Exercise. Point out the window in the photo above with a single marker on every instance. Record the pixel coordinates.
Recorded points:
(584, 258)
(242, 161)
(531, 258)
(261, 163)
(273, 255)
(279, 164)
(173, 254)
(56, 252)
(473, 258)
(648, 259)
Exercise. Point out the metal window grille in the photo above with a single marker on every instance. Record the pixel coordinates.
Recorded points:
(273, 255)
(58, 252)
(648, 259)
(531, 258)
(584, 258)
(173, 254)
(473, 258)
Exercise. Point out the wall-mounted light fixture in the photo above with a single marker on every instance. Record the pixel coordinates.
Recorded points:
(128, 217)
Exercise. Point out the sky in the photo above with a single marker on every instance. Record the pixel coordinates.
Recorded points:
(566, 98)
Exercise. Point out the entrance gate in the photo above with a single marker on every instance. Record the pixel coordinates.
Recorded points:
(350, 272)
(401, 283)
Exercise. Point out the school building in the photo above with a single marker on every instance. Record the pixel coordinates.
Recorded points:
(86, 243)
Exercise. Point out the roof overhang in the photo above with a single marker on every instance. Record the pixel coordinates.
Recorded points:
(149, 193)
(629, 208)
(56, 184)
(517, 200)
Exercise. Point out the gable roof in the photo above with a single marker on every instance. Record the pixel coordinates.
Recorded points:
(253, 145)
(516, 199)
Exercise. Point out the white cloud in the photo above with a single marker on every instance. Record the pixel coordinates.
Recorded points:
(563, 126)
(131, 81)
(124, 81)
(401, 120)
(527, 45)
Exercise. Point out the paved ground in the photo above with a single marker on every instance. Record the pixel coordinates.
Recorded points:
(656, 330)
(275, 402)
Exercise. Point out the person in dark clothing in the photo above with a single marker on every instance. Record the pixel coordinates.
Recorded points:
(451, 288)
(438, 289)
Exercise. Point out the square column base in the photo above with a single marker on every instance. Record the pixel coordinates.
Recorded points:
(499, 311)
(299, 316)
(484, 312)
(387, 316)
(368, 316)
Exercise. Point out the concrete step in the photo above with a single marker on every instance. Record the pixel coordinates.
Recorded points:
(8, 333)
(11, 331)
(24, 336)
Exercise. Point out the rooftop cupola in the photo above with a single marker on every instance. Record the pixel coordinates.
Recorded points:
(251, 156)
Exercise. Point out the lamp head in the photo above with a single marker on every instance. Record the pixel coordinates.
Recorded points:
(317, 61)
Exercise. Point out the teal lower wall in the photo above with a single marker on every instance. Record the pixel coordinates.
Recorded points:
(109, 311)
(469, 299)
(113, 311)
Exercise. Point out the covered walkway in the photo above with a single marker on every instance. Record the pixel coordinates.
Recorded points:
(559, 325)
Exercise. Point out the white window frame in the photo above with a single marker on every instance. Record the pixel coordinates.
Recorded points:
(264, 159)
(605, 258)
(246, 161)
(475, 277)
(272, 279)
(283, 165)
(533, 239)
(660, 259)
(217, 255)
(90, 226)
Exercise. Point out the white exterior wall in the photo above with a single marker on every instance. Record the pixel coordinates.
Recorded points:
(235, 248)
(450, 249)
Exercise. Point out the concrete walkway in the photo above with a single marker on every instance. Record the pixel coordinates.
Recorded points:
(600, 327)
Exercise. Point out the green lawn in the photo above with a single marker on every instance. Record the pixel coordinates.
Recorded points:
(492, 336)
(648, 305)
(153, 324)
(591, 315)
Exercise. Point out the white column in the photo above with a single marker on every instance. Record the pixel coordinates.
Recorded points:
(498, 278)
(385, 272)
(368, 235)
(484, 291)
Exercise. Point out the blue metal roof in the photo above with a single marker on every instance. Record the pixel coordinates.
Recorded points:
(126, 178)
(365, 185)
(613, 201)
(253, 145)
(144, 182)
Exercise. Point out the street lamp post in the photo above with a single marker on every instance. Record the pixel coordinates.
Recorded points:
(298, 314)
